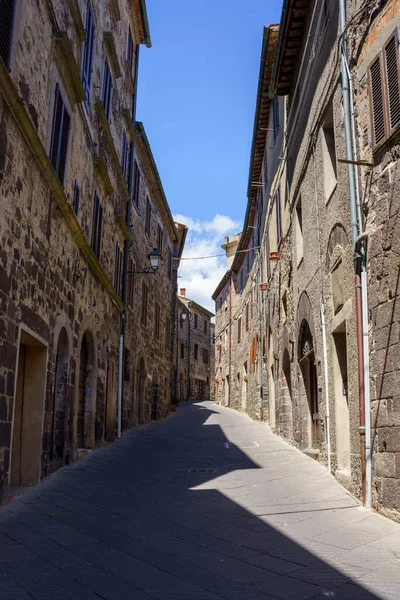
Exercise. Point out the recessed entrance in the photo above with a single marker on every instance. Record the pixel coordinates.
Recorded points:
(28, 411)
(111, 401)
(86, 401)
(310, 381)
(57, 438)
(341, 398)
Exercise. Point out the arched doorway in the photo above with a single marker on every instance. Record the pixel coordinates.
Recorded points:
(306, 358)
(85, 412)
(141, 391)
(57, 439)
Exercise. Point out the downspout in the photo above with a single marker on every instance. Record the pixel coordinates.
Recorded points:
(125, 274)
(360, 276)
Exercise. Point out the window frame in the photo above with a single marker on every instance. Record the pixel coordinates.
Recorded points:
(107, 89)
(97, 226)
(55, 160)
(87, 54)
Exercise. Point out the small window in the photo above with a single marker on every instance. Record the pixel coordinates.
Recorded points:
(59, 136)
(7, 8)
(125, 157)
(131, 283)
(206, 356)
(205, 326)
(97, 226)
(88, 54)
(76, 198)
(196, 321)
(329, 154)
(157, 313)
(182, 350)
(160, 239)
(118, 261)
(196, 351)
(129, 48)
(385, 92)
(148, 217)
(136, 183)
(107, 89)
(275, 116)
(239, 330)
(145, 294)
(278, 210)
(299, 231)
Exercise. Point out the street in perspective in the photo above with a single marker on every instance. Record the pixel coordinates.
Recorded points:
(199, 299)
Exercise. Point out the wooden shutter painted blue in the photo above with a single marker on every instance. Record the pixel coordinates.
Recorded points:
(7, 8)
(60, 135)
(88, 55)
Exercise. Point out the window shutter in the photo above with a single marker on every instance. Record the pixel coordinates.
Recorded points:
(378, 111)
(392, 73)
(130, 169)
(60, 135)
(97, 226)
(87, 55)
(77, 198)
(136, 183)
(62, 159)
(278, 216)
(6, 28)
(57, 118)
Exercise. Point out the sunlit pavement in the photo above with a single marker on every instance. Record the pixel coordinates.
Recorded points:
(202, 506)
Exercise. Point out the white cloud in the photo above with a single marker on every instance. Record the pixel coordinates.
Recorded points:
(201, 277)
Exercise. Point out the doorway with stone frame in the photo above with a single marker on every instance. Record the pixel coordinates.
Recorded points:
(342, 413)
(310, 384)
(59, 412)
(86, 393)
(28, 412)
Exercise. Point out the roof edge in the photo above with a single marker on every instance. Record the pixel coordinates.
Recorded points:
(221, 284)
(146, 27)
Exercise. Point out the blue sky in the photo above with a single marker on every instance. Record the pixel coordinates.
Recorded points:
(197, 94)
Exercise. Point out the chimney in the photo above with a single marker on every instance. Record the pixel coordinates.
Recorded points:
(182, 292)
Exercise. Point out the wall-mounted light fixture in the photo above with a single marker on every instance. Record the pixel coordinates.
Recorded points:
(154, 257)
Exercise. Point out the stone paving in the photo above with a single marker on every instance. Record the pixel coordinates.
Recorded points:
(206, 505)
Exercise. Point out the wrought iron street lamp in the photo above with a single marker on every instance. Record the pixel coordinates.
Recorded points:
(154, 257)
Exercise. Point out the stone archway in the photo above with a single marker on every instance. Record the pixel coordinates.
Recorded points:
(58, 425)
(141, 391)
(86, 401)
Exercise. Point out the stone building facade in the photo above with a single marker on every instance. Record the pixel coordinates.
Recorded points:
(196, 350)
(314, 379)
(73, 160)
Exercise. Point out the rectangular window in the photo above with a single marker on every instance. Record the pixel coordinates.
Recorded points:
(196, 321)
(145, 293)
(7, 8)
(159, 239)
(239, 330)
(206, 356)
(148, 217)
(196, 351)
(275, 116)
(205, 326)
(129, 48)
(125, 156)
(76, 198)
(118, 261)
(136, 183)
(131, 284)
(329, 154)
(169, 263)
(59, 136)
(157, 313)
(88, 54)
(106, 95)
(182, 350)
(97, 226)
(299, 231)
(385, 92)
(278, 215)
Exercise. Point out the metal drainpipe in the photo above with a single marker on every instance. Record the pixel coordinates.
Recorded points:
(127, 248)
(360, 276)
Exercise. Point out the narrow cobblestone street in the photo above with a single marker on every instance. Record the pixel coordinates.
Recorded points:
(202, 506)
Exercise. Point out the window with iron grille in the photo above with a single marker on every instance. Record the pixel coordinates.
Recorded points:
(106, 95)
(125, 157)
(7, 8)
(131, 284)
(59, 135)
(88, 55)
(206, 356)
(196, 351)
(97, 226)
(118, 268)
(129, 48)
(136, 183)
(275, 116)
(384, 87)
(160, 235)
(148, 217)
(157, 314)
(196, 321)
(145, 294)
(205, 325)
(76, 198)
(278, 209)
(182, 350)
